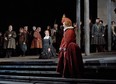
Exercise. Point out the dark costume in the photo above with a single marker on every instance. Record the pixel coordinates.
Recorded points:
(59, 35)
(1, 44)
(28, 42)
(70, 59)
(47, 43)
(9, 42)
(22, 43)
(114, 36)
(98, 39)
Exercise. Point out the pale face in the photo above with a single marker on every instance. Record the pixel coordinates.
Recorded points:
(113, 23)
(46, 33)
(100, 22)
(34, 28)
(39, 29)
(26, 28)
(55, 25)
(97, 20)
(64, 24)
(10, 28)
(21, 30)
(48, 27)
(89, 21)
(80, 22)
(75, 25)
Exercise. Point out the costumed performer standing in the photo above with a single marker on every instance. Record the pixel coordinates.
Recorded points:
(70, 62)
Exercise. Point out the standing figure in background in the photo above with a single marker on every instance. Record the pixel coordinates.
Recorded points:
(22, 42)
(54, 32)
(90, 37)
(1, 44)
(98, 32)
(40, 31)
(32, 33)
(32, 51)
(113, 25)
(59, 35)
(102, 42)
(70, 64)
(48, 50)
(9, 43)
(49, 29)
(37, 42)
(28, 42)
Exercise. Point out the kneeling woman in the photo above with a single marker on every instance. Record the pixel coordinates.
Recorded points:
(48, 50)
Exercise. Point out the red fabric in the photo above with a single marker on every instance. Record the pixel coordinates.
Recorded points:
(67, 21)
(69, 36)
(37, 35)
(70, 61)
(37, 41)
(64, 19)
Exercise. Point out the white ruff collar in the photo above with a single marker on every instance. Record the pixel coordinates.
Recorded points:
(68, 28)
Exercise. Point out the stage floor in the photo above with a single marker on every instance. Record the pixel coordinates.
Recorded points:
(103, 56)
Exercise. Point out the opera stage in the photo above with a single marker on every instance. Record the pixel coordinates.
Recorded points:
(99, 68)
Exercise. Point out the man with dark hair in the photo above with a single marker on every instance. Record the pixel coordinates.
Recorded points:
(98, 32)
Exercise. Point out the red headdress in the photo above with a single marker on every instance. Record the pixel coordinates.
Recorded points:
(67, 21)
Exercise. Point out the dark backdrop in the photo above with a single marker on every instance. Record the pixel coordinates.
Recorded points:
(38, 12)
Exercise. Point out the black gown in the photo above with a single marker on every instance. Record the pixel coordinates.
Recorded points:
(47, 43)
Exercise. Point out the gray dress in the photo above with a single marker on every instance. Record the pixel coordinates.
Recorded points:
(98, 35)
(47, 43)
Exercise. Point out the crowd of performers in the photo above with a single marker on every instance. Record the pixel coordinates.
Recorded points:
(34, 42)
(59, 41)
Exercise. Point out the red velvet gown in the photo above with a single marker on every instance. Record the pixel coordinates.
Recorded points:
(70, 63)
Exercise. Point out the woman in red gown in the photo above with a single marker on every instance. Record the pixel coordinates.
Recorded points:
(70, 63)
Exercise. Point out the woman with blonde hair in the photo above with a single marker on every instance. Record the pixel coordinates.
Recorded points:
(48, 50)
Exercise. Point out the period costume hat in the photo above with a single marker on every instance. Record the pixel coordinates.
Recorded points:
(67, 21)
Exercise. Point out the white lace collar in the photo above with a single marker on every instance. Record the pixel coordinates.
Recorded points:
(68, 28)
